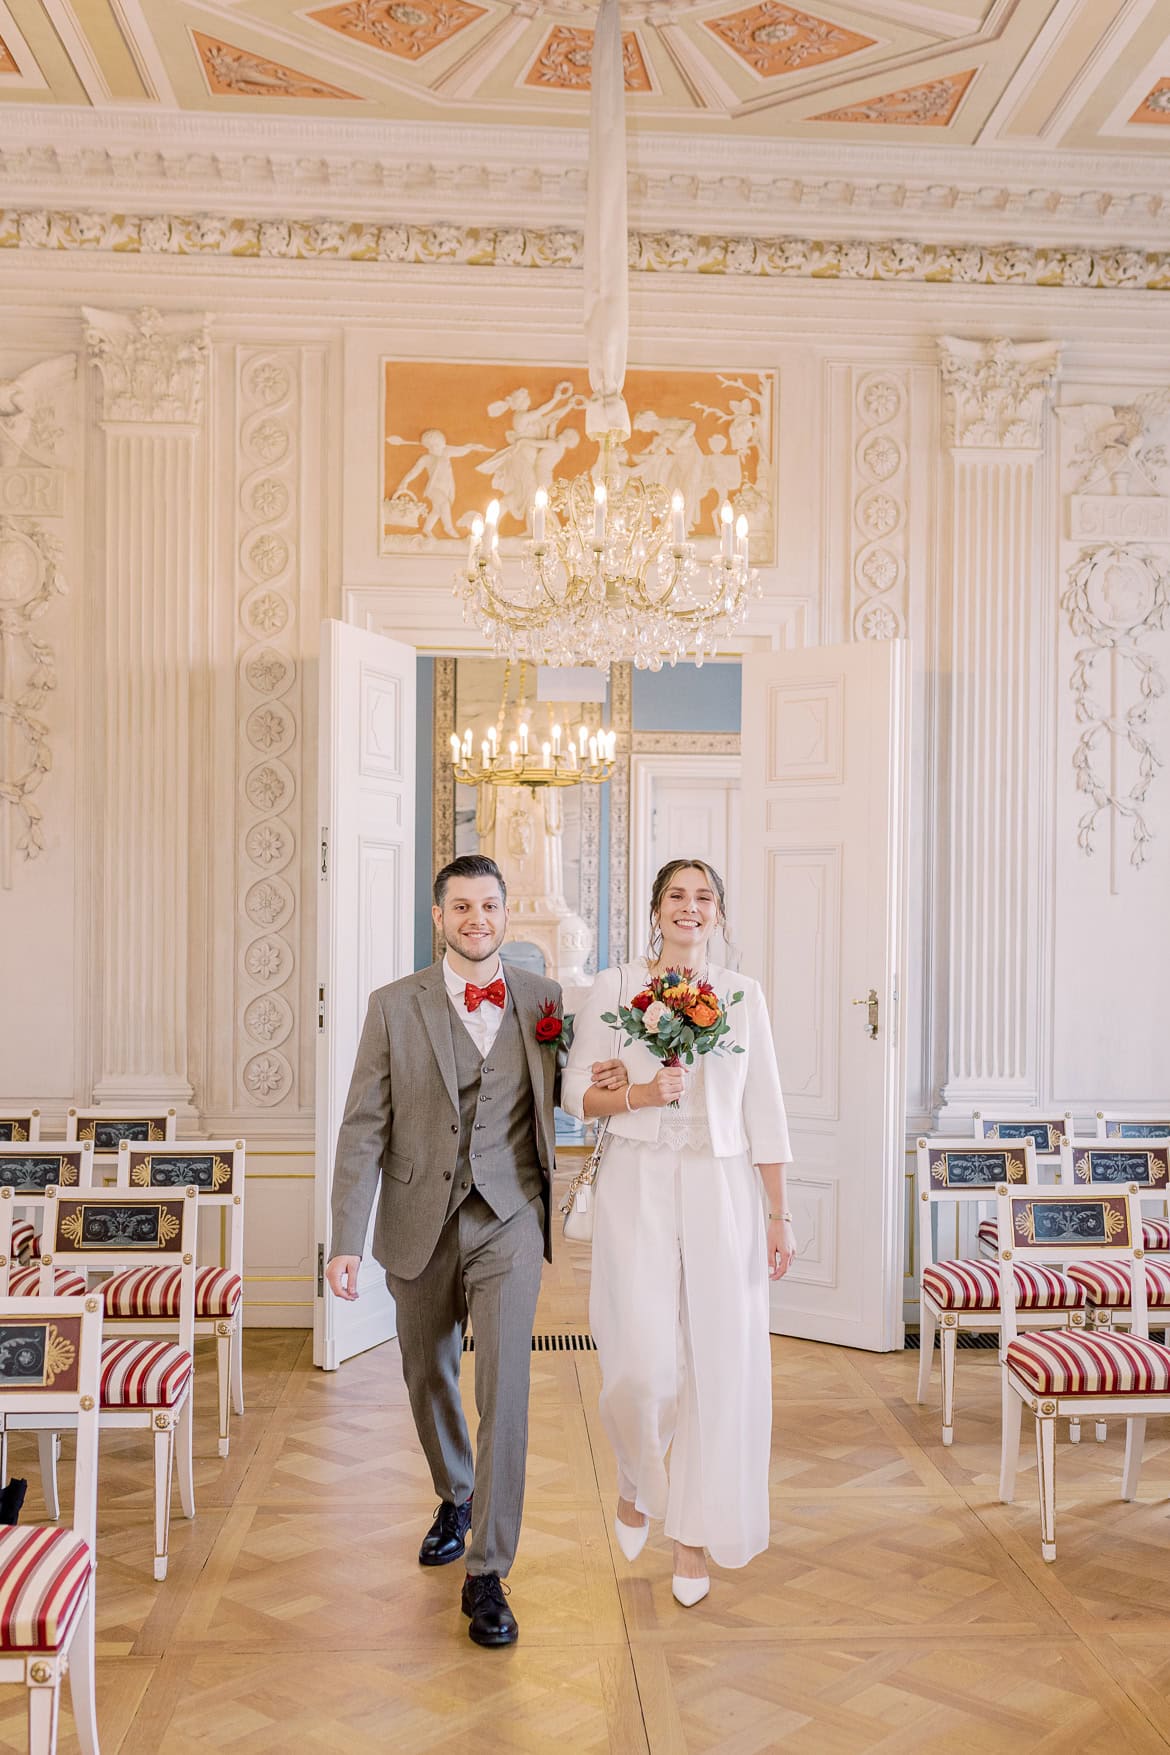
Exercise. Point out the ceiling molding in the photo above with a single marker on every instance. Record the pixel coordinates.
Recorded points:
(374, 172)
(248, 239)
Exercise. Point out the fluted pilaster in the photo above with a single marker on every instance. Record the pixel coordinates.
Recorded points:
(151, 374)
(996, 395)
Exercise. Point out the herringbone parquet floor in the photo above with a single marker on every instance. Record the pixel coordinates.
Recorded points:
(899, 1609)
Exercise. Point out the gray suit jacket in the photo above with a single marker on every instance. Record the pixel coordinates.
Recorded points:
(400, 1131)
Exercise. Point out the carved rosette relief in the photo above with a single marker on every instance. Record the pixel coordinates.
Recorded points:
(268, 727)
(878, 516)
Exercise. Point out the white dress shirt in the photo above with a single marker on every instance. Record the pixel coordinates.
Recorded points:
(482, 1024)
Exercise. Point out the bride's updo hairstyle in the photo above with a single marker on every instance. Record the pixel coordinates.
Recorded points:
(662, 883)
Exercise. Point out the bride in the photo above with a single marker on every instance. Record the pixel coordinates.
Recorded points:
(683, 1247)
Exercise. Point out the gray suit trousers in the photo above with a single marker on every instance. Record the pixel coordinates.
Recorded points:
(487, 1269)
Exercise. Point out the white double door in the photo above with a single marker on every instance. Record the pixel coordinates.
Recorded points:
(811, 837)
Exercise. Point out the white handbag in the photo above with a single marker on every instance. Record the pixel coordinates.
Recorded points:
(577, 1207)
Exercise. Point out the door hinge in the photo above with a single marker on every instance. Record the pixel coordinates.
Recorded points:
(320, 1009)
(324, 865)
(320, 1270)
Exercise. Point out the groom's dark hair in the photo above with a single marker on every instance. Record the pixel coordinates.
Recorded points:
(469, 865)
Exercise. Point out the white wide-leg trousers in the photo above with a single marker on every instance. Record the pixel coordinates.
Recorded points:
(678, 1306)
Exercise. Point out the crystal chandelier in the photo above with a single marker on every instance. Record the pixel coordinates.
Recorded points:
(607, 573)
(566, 757)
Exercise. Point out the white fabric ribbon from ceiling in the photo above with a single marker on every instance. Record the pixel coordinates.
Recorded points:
(607, 273)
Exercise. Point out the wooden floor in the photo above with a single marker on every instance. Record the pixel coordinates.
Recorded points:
(900, 1607)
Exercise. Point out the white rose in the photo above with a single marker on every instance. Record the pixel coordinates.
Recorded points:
(653, 1015)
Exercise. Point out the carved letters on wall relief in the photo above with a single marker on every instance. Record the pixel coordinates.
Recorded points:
(1116, 474)
(268, 729)
(31, 490)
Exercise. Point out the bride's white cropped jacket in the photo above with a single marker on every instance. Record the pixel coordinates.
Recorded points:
(745, 1106)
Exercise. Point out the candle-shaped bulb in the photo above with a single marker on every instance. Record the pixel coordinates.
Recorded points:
(556, 740)
(454, 746)
(539, 507)
(678, 518)
(474, 540)
(485, 753)
(512, 751)
(493, 512)
(725, 527)
(582, 735)
(545, 752)
(593, 751)
(599, 498)
(523, 737)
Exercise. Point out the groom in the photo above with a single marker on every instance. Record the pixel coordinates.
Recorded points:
(450, 1120)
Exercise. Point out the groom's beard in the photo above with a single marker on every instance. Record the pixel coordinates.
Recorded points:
(477, 950)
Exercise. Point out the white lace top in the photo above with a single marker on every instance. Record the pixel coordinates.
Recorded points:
(685, 1128)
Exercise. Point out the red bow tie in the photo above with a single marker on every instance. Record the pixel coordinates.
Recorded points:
(495, 991)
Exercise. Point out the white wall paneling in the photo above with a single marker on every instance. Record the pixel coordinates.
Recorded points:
(181, 837)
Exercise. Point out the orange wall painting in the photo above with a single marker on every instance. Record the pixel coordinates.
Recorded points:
(458, 434)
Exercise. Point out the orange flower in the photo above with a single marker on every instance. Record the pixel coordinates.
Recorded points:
(703, 1014)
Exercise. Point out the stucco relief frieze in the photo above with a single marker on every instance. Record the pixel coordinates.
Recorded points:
(654, 252)
(32, 499)
(881, 446)
(267, 716)
(151, 367)
(1116, 598)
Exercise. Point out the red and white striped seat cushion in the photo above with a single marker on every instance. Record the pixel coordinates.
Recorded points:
(43, 1579)
(1107, 1282)
(1155, 1234)
(155, 1292)
(26, 1240)
(143, 1374)
(1073, 1361)
(974, 1285)
(25, 1282)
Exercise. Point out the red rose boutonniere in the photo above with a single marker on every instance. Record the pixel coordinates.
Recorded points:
(548, 1026)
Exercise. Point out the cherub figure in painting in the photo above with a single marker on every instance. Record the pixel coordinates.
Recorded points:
(533, 446)
(673, 458)
(439, 489)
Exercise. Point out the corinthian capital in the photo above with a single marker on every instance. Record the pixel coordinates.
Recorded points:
(151, 366)
(996, 391)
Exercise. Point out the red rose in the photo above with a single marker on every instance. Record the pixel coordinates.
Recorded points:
(640, 1001)
(548, 1029)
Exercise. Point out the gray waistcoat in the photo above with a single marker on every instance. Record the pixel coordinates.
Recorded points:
(497, 1132)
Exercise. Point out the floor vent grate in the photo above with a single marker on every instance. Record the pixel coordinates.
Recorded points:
(567, 1343)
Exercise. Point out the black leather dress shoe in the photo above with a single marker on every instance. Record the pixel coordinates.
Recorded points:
(492, 1621)
(447, 1536)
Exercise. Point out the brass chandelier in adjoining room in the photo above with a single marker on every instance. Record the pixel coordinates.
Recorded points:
(607, 573)
(512, 753)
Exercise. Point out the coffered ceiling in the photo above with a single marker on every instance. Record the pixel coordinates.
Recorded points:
(1069, 75)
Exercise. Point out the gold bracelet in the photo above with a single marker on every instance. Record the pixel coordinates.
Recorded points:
(787, 1217)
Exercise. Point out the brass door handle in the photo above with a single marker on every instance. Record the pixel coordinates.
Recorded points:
(870, 1001)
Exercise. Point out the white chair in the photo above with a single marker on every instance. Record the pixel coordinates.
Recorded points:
(20, 1126)
(1045, 1132)
(1073, 1372)
(959, 1295)
(29, 1170)
(1130, 1127)
(50, 1369)
(216, 1169)
(107, 1128)
(146, 1382)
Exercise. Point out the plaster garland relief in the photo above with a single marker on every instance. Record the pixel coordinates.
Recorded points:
(32, 489)
(269, 751)
(1116, 597)
(658, 251)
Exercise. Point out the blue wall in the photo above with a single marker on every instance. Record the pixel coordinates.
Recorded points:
(423, 796)
(688, 698)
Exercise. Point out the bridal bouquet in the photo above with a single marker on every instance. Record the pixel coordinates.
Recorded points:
(676, 1017)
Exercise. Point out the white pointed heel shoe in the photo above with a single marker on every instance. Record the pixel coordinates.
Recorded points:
(631, 1538)
(689, 1591)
